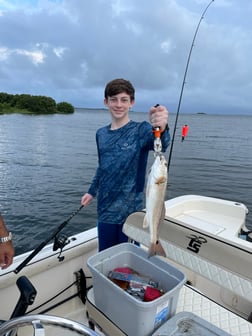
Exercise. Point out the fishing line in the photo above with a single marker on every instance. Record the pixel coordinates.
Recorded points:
(184, 81)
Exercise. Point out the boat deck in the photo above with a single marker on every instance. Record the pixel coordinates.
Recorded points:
(192, 301)
(189, 301)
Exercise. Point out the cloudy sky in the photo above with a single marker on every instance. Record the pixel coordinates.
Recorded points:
(69, 50)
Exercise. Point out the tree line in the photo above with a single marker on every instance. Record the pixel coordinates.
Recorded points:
(26, 103)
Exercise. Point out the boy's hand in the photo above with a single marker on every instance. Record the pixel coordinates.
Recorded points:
(158, 117)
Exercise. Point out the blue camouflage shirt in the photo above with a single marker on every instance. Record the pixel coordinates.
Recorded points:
(120, 177)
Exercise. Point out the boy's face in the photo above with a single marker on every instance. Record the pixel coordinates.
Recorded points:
(119, 105)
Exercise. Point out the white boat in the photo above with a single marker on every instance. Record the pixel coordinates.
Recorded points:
(201, 237)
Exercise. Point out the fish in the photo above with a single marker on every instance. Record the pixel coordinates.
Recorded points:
(155, 203)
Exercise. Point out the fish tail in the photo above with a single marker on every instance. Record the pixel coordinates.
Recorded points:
(156, 249)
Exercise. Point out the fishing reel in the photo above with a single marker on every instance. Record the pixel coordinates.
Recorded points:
(60, 241)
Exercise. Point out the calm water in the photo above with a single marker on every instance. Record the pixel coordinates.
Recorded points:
(47, 163)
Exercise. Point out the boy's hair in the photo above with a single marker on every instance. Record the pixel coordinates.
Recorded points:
(119, 85)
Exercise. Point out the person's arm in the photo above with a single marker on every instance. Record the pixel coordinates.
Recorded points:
(92, 191)
(6, 246)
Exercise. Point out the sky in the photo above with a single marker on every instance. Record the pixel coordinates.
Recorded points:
(70, 49)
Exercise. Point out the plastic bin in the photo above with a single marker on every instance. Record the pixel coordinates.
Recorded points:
(186, 323)
(132, 316)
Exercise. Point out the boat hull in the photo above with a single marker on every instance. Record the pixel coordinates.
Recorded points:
(50, 276)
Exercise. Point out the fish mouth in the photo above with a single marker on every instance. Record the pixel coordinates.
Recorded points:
(161, 157)
(163, 160)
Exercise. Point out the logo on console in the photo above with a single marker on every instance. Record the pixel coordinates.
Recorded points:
(195, 243)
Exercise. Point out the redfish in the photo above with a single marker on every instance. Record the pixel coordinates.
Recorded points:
(155, 206)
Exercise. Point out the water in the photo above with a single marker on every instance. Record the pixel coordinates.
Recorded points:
(47, 163)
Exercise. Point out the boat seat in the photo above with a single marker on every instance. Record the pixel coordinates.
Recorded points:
(196, 222)
(220, 270)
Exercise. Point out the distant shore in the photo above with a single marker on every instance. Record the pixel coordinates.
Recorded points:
(30, 104)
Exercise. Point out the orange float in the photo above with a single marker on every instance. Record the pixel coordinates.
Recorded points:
(185, 130)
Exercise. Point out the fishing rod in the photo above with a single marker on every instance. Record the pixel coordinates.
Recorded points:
(46, 241)
(184, 81)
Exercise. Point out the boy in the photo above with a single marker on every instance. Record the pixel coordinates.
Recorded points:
(123, 148)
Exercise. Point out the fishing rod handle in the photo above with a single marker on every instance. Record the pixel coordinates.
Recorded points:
(46, 241)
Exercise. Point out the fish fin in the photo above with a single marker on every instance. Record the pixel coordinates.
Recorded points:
(145, 222)
(160, 180)
(156, 249)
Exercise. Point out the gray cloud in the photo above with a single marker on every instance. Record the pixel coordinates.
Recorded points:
(69, 50)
